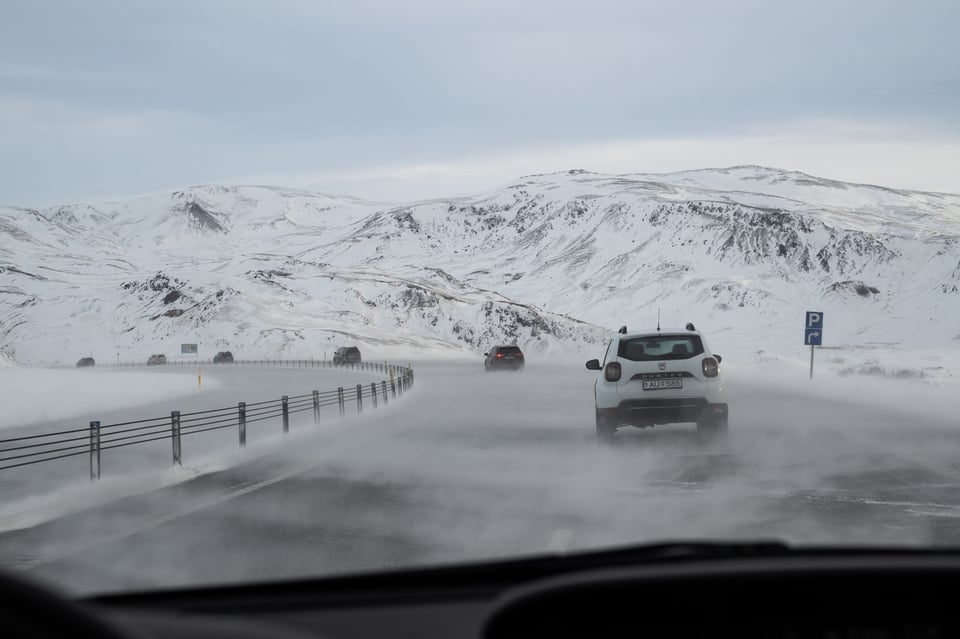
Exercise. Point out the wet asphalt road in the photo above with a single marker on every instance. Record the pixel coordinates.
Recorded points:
(471, 465)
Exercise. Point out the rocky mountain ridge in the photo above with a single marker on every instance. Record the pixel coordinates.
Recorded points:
(552, 262)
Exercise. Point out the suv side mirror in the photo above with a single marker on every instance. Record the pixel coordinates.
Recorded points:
(593, 365)
(486, 354)
(718, 358)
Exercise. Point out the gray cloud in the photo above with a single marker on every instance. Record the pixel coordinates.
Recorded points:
(116, 96)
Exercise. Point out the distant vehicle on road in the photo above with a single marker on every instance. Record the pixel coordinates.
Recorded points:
(223, 357)
(659, 377)
(85, 362)
(156, 360)
(346, 355)
(503, 358)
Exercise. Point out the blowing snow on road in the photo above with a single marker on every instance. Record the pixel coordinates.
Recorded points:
(464, 468)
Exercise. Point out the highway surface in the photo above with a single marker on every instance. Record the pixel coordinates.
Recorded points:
(472, 465)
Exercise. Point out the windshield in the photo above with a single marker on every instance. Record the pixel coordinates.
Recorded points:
(305, 289)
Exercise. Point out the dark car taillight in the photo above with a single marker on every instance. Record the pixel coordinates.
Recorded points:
(711, 368)
(612, 372)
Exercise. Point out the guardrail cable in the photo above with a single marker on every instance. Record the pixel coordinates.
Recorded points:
(46, 447)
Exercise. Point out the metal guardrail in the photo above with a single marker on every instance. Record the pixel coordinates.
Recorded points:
(26, 450)
(293, 363)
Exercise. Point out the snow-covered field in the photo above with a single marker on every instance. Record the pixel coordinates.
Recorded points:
(37, 396)
(897, 380)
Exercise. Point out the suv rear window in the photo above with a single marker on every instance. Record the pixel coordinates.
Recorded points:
(660, 347)
(350, 350)
(508, 350)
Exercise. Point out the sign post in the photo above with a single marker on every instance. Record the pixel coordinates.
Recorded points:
(191, 349)
(813, 333)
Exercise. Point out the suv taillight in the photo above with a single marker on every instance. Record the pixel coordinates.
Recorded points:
(711, 368)
(612, 372)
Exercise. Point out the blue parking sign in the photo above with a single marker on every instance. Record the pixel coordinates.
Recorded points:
(813, 329)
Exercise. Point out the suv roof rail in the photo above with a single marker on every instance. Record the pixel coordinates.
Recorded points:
(623, 330)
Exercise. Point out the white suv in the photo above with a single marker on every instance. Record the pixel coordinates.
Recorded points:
(659, 377)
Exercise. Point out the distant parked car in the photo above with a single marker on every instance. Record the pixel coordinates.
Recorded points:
(86, 361)
(347, 355)
(503, 357)
(223, 357)
(156, 360)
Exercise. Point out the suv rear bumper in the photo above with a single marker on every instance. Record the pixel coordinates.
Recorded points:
(649, 412)
(505, 364)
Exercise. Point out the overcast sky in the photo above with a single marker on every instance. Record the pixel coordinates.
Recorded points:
(410, 99)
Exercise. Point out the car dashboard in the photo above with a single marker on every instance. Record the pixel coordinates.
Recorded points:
(761, 593)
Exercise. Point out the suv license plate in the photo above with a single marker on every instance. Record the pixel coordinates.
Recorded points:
(661, 384)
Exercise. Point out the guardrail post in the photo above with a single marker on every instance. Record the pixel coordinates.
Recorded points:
(94, 450)
(242, 420)
(383, 388)
(373, 389)
(340, 401)
(393, 387)
(359, 399)
(286, 415)
(175, 436)
(316, 407)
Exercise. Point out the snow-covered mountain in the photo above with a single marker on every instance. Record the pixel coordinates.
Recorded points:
(553, 262)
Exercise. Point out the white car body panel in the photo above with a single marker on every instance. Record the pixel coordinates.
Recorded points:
(661, 375)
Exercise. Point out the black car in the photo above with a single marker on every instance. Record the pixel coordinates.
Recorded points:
(223, 357)
(157, 360)
(503, 358)
(347, 355)
(85, 362)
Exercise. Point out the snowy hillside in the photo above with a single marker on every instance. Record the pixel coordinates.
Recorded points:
(552, 262)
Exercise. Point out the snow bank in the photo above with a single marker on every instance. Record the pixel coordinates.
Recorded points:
(930, 395)
(34, 395)
(6, 360)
